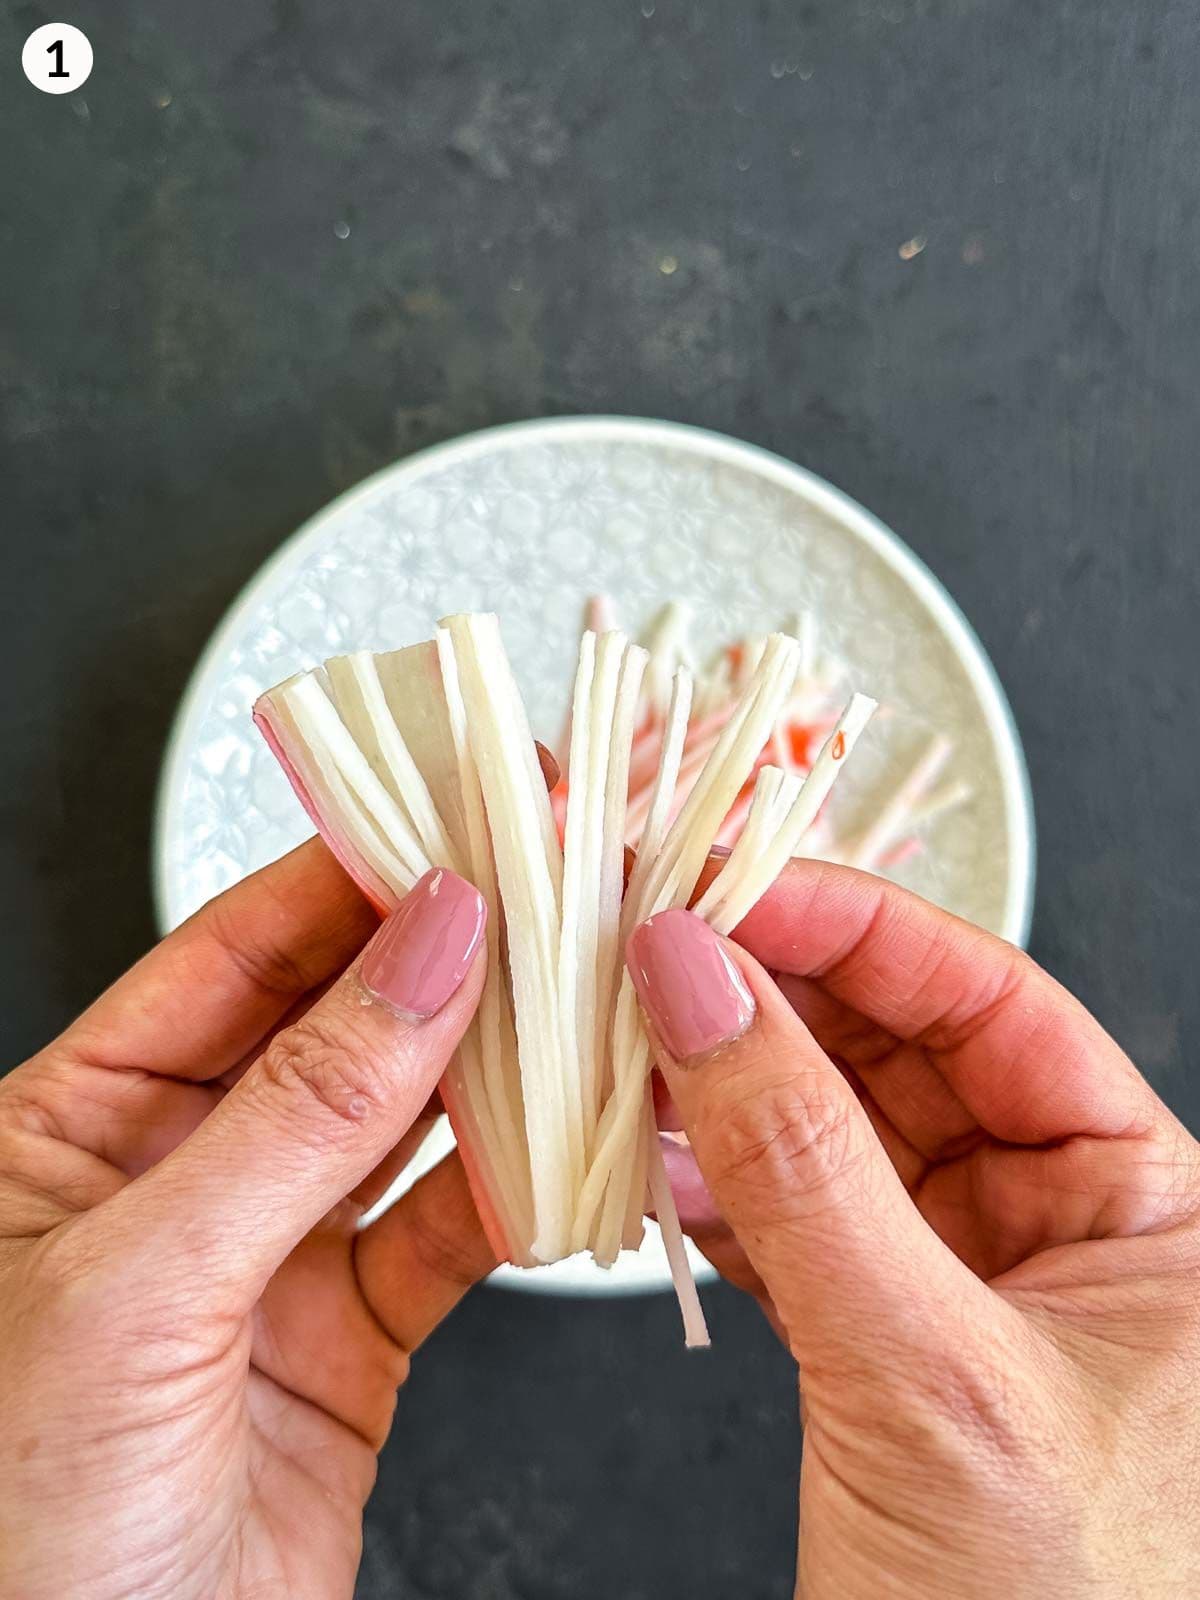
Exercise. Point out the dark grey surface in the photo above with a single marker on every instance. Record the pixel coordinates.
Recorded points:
(192, 360)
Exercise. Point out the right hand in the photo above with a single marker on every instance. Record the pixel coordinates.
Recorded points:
(974, 1224)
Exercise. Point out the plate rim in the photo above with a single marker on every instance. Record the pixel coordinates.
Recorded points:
(616, 428)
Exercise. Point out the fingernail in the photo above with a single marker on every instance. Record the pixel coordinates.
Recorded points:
(690, 989)
(551, 770)
(424, 950)
(693, 1199)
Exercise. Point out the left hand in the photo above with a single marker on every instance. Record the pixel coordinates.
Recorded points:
(199, 1351)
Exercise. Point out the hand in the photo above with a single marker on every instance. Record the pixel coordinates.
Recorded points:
(199, 1354)
(975, 1226)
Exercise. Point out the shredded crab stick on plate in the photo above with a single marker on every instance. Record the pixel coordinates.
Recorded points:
(423, 757)
(804, 724)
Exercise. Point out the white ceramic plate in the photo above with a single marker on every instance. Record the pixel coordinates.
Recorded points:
(527, 521)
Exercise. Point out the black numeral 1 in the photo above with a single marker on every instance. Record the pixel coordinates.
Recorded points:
(56, 50)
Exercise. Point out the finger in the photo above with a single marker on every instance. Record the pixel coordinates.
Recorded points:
(381, 1178)
(324, 1103)
(789, 1154)
(130, 1118)
(415, 1264)
(43, 1181)
(909, 1085)
(311, 997)
(204, 997)
(701, 1219)
(1021, 1054)
(366, 1300)
(1035, 1196)
(202, 1001)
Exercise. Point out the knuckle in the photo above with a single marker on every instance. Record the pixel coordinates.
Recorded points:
(787, 1140)
(977, 1400)
(986, 1405)
(321, 1070)
(70, 1275)
(23, 1104)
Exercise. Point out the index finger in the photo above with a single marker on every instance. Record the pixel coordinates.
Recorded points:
(204, 997)
(1026, 1058)
(323, 1104)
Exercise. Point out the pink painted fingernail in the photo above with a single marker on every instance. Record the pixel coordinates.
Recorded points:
(424, 950)
(692, 992)
(693, 1199)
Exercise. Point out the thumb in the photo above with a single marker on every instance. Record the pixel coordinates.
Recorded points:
(323, 1104)
(790, 1155)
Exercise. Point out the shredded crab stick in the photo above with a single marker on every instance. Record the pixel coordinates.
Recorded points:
(670, 879)
(895, 818)
(529, 874)
(414, 683)
(801, 729)
(423, 757)
(508, 1152)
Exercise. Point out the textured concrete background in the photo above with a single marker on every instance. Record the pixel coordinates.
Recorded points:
(942, 251)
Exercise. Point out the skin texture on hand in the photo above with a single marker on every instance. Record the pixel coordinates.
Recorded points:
(199, 1351)
(972, 1222)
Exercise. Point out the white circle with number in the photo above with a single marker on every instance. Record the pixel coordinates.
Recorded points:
(57, 58)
